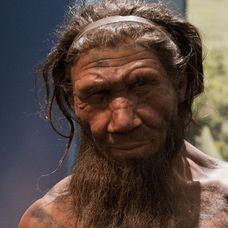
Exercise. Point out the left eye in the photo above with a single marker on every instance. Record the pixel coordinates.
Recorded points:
(140, 83)
(99, 93)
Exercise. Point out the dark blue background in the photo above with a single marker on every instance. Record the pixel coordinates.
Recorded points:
(28, 146)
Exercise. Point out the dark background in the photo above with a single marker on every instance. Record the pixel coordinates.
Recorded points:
(29, 148)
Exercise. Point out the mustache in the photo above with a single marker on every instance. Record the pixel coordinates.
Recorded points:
(142, 133)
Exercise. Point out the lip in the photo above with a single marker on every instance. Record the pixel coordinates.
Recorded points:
(129, 146)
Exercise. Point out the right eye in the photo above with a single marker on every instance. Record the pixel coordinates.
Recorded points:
(97, 96)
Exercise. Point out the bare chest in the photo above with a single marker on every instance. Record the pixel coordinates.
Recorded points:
(213, 208)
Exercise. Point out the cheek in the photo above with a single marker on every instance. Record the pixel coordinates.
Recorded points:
(95, 118)
(98, 124)
(158, 109)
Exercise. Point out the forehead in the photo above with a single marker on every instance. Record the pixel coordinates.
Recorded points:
(123, 58)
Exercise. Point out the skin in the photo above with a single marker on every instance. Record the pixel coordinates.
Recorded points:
(126, 98)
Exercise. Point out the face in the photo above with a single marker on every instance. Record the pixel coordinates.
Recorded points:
(125, 97)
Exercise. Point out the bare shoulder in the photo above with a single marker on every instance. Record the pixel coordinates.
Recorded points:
(205, 169)
(52, 210)
(212, 175)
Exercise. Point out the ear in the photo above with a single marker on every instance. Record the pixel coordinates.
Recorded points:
(182, 87)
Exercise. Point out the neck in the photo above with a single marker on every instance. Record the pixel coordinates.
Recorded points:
(180, 167)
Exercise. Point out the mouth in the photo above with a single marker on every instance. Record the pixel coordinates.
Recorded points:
(130, 146)
(129, 151)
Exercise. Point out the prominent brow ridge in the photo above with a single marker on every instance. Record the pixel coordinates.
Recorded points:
(98, 76)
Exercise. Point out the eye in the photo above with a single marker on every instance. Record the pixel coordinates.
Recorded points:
(95, 96)
(143, 85)
(140, 82)
(98, 95)
(145, 82)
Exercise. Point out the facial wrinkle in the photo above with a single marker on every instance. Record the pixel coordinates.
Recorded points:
(94, 62)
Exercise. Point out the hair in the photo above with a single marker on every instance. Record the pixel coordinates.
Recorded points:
(176, 42)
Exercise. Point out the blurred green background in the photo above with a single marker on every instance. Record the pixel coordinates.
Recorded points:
(210, 133)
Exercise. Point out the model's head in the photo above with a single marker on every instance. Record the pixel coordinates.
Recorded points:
(140, 69)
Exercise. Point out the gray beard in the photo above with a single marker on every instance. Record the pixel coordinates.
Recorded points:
(141, 194)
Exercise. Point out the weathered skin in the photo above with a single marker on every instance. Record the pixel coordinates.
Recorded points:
(142, 99)
(125, 96)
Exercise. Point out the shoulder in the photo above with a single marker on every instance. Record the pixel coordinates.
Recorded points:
(205, 169)
(212, 176)
(52, 210)
(34, 216)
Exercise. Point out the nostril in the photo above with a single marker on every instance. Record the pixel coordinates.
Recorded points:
(137, 122)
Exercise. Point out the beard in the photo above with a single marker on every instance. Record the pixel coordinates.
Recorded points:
(140, 193)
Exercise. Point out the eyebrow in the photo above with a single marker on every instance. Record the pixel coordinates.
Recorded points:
(143, 72)
(91, 84)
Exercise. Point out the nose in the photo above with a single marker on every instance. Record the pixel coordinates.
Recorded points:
(123, 117)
